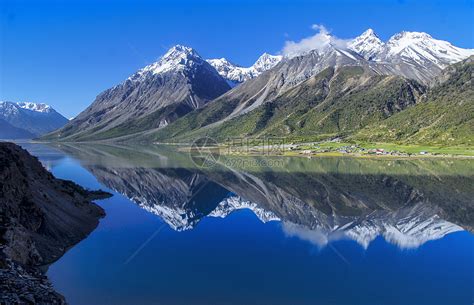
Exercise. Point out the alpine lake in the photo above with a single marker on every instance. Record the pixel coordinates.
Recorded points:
(267, 230)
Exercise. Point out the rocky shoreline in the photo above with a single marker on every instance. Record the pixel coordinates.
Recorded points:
(25, 285)
(40, 218)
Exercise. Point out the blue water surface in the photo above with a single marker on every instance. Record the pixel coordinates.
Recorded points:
(134, 257)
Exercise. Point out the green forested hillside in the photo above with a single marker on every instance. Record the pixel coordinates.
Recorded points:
(445, 116)
(334, 102)
(352, 103)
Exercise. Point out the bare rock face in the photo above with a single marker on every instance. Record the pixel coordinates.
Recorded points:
(40, 218)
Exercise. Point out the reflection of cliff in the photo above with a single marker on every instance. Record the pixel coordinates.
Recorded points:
(406, 202)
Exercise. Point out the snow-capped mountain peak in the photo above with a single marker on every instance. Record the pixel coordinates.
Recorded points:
(410, 35)
(422, 48)
(412, 49)
(33, 119)
(400, 41)
(181, 52)
(222, 65)
(8, 108)
(266, 62)
(368, 44)
(221, 62)
(236, 74)
(177, 58)
(369, 33)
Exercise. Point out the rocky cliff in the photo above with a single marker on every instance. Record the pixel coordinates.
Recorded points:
(40, 218)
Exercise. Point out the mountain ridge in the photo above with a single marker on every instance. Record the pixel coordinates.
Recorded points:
(26, 120)
(125, 112)
(413, 54)
(228, 116)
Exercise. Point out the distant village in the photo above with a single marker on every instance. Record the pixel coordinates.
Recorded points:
(353, 149)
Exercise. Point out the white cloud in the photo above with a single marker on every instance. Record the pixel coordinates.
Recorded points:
(315, 237)
(320, 28)
(318, 41)
(318, 237)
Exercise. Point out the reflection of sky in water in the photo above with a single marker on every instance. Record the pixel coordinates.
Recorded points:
(50, 157)
(241, 254)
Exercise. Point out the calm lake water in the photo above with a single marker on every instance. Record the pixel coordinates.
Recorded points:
(268, 231)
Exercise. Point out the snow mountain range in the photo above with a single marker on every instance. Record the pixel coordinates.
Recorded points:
(26, 120)
(181, 81)
(413, 48)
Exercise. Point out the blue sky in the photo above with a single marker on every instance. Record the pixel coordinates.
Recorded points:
(66, 52)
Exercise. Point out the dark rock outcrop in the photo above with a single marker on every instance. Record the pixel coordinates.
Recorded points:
(40, 218)
(20, 284)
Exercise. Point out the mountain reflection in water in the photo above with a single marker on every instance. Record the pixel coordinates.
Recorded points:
(320, 200)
